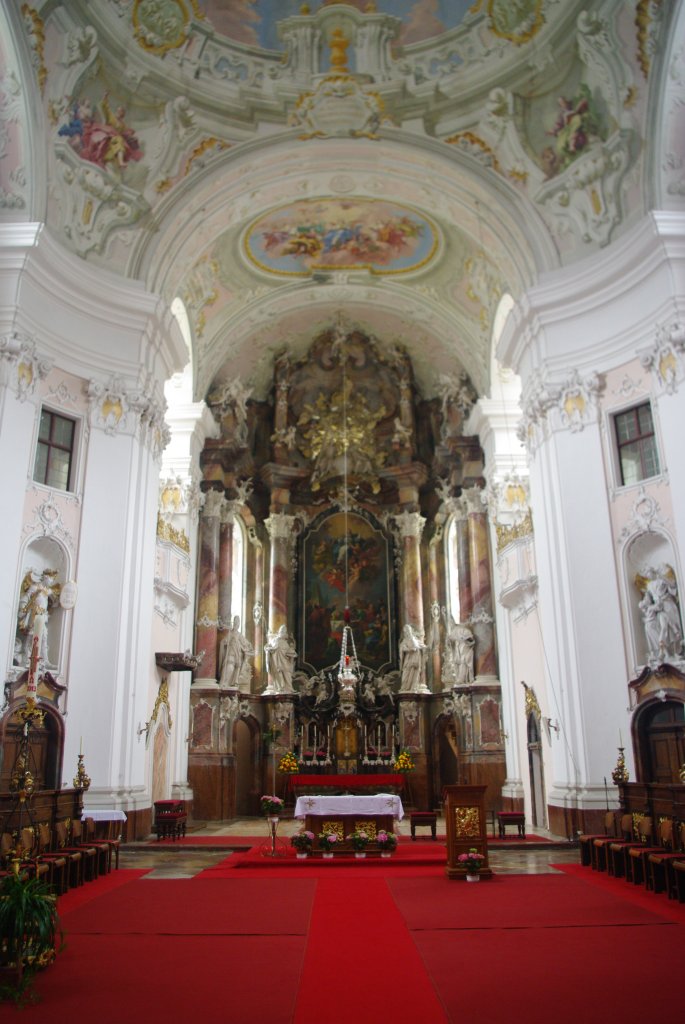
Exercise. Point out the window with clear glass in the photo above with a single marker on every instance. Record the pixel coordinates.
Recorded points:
(637, 451)
(55, 450)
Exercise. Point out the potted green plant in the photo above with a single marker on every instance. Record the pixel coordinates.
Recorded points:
(303, 842)
(472, 861)
(387, 842)
(359, 840)
(29, 930)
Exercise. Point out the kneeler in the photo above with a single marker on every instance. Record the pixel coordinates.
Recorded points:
(586, 840)
(600, 846)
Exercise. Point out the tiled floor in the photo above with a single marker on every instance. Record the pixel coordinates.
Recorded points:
(167, 860)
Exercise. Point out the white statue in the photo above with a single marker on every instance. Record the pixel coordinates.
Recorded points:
(660, 612)
(459, 653)
(233, 655)
(280, 661)
(39, 592)
(412, 661)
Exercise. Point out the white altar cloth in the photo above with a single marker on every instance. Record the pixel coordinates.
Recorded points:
(103, 815)
(381, 803)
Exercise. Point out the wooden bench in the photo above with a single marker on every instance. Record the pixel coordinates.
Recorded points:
(170, 819)
(516, 818)
(423, 819)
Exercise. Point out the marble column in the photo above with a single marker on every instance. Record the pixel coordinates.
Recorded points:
(226, 566)
(281, 529)
(207, 624)
(433, 640)
(410, 527)
(482, 619)
(258, 602)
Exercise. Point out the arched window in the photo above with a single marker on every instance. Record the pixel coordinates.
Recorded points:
(452, 571)
(238, 571)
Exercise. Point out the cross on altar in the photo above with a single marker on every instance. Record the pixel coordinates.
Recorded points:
(31, 686)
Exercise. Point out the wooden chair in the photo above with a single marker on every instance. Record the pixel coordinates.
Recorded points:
(108, 848)
(678, 867)
(30, 860)
(56, 861)
(601, 844)
(637, 858)
(618, 852)
(170, 819)
(91, 854)
(611, 824)
(74, 856)
(660, 877)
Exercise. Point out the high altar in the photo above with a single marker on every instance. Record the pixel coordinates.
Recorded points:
(404, 547)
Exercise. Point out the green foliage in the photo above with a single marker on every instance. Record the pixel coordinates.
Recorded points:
(29, 930)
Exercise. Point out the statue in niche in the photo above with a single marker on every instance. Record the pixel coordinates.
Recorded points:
(39, 593)
(660, 612)
(280, 661)
(412, 661)
(459, 654)
(234, 667)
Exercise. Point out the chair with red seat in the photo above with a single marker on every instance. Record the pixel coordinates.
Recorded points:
(618, 851)
(600, 845)
(637, 856)
(104, 843)
(611, 827)
(660, 876)
(74, 856)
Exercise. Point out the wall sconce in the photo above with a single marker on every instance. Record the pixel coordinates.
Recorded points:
(549, 726)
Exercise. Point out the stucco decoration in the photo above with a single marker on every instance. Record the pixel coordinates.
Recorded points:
(339, 234)
(13, 193)
(119, 408)
(666, 358)
(653, 599)
(162, 25)
(21, 365)
(567, 404)
(94, 204)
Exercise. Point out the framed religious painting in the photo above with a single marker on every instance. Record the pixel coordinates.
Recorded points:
(347, 555)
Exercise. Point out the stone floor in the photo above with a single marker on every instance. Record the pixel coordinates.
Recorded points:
(168, 860)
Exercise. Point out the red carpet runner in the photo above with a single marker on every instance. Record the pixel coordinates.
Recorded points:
(361, 965)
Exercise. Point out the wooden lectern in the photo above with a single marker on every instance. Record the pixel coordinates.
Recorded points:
(464, 809)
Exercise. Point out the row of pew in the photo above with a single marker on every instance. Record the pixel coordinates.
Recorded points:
(632, 847)
(67, 856)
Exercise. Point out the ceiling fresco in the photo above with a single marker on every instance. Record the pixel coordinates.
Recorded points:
(254, 22)
(331, 233)
(273, 163)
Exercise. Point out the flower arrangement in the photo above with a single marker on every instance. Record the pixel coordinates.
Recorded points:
(271, 805)
(386, 840)
(328, 840)
(302, 841)
(472, 861)
(288, 763)
(404, 762)
(359, 839)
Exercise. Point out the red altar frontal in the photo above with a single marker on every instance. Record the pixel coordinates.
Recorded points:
(332, 784)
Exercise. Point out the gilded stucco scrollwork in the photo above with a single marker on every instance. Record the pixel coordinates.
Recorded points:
(467, 822)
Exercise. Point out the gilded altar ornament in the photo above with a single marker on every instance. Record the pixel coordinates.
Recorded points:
(327, 441)
(333, 828)
(681, 772)
(466, 822)
(620, 772)
(369, 827)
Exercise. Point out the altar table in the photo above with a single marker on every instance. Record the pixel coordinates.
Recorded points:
(345, 814)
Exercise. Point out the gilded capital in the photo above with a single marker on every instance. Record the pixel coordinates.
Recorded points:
(410, 524)
(281, 526)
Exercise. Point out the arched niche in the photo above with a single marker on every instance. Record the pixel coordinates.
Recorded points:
(652, 594)
(44, 571)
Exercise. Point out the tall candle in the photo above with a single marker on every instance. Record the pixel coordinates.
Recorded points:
(81, 746)
(620, 739)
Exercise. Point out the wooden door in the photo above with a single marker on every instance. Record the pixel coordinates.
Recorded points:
(662, 740)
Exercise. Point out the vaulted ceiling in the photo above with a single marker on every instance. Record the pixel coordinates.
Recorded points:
(274, 164)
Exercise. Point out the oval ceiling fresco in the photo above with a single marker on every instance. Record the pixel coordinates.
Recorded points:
(341, 234)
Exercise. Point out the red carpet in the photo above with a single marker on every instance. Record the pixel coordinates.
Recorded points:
(365, 945)
(361, 965)
(198, 907)
(514, 901)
